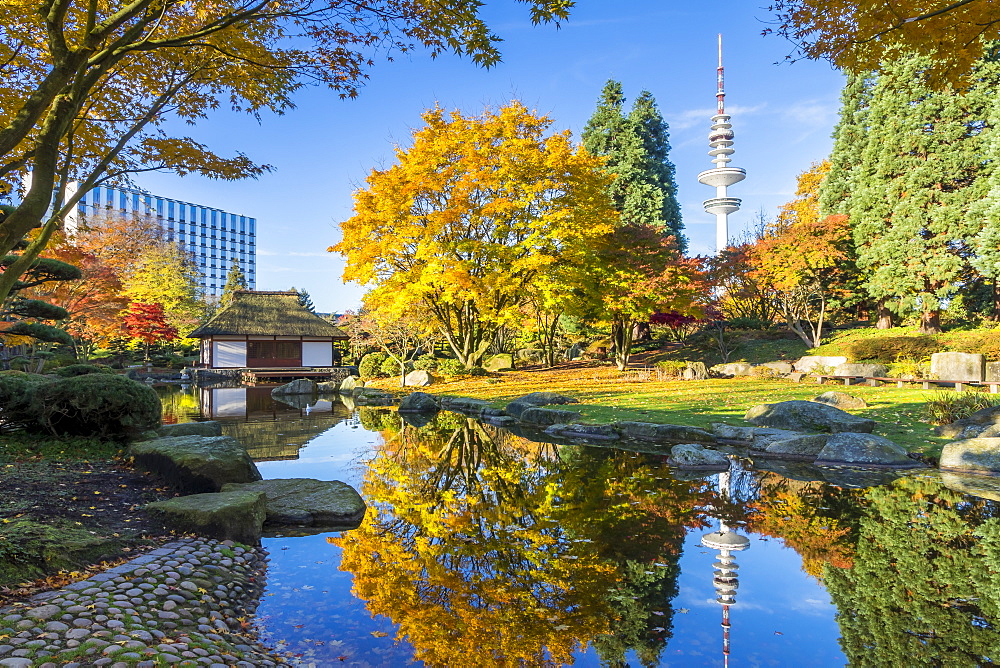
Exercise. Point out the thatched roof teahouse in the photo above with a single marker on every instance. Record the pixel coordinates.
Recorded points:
(267, 330)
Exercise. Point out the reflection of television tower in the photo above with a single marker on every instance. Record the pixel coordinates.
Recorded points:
(720, 139)
(726, 541)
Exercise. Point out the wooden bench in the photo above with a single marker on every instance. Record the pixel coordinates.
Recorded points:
(926, 383)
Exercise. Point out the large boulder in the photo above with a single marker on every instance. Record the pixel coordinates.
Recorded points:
(807, 416)
(418, 402)
(517, 406)
(419, 378)
(349, 384)
(328, 387)
(207, 428)
(804, 445)
(972, 454)
(196, 463)
(308, 502)
(530, 355)
(659, 433)
(841, 400)
(863, 449)
(760, 436)
(861, 369)
(983, 486)
(971, 425)
(958, 366)
(781, 368)
(732, 369)
(232, 515)
(300, 386)
(547, 416)
(468, 406)
(499, 362)
(698, 457)
(808, 363)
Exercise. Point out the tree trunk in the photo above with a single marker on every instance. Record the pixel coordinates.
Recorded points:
(621, 336)
(930, 322)
(641, 331)
(884, 319)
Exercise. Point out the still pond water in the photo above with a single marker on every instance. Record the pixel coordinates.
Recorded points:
(484, 548)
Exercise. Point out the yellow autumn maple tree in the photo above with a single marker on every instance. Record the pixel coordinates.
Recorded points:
(475, 211)
(799, 254)
(88, 85)
(858, 35)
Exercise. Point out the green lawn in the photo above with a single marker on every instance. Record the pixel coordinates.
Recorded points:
(606, 397)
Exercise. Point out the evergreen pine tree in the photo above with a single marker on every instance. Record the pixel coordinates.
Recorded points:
(987, 210)
(304, 299)
(637, 149)
(235, 280)
(850, 136)
(921, 171)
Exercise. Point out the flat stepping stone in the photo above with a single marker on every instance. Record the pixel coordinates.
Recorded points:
(308, 502)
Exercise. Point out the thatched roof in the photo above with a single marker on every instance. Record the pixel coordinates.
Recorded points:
(267, 314)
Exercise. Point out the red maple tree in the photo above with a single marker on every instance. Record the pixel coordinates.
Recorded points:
(148, 323)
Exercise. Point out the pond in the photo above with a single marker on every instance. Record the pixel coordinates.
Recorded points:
(485, 548)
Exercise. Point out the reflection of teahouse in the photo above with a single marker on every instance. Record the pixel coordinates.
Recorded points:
(726, 579)
(267, 330)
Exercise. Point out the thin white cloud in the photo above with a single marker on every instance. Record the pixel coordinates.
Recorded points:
(692, 117)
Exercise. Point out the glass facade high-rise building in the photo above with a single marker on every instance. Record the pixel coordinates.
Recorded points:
(214, 237)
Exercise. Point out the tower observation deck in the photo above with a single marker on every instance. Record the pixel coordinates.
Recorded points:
(720, 141)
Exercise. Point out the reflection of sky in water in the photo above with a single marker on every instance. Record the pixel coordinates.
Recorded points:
(782, 617)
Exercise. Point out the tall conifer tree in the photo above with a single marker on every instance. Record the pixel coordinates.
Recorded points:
(920, 172)
(850, 137)
(637, 147)
(235, 280)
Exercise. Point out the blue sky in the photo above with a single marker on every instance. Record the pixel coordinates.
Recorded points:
(322, 151)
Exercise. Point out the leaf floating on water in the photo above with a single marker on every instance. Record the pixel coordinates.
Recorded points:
(778, 633)
(561, 627)
(379, 634)
(683, 611)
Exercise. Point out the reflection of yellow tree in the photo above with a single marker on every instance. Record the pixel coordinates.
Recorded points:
(483, 545)
(804, 517)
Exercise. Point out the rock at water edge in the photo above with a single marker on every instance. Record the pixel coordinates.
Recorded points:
(697, 456)
(206, 428)
(807, 416)
(300, 386)
(418, 402)
(308, 502)
(807, 445)
(349, 384)
(862, 449)
(547, 416)
(235, 515)
(515, 407)
(972, 454)
(196, 463)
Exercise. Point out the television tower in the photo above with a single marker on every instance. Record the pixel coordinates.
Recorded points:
(720, 177)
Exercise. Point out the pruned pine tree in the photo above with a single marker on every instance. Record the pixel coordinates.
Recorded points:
(636, 146)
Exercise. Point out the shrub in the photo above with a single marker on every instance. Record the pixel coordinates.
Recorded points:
(946, 407)
(425, 363)
(81, 370)
(390, 367)
(667, 369)
(97, 404)
(451, 367)
(371, 365)
(909, 369)
(169, 361)
(891, 348)
(986, 344)
(16, 391)
(477, 371)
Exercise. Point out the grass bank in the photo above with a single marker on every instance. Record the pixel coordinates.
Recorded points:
(608, 397)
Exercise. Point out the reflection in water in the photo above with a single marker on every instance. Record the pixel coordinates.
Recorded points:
(924, 588)
(483, 544)
(478, 542)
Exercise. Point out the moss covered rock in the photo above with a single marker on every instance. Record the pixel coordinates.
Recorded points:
(30, 550)
(196, 463)
(308, 502)
(233, 515)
